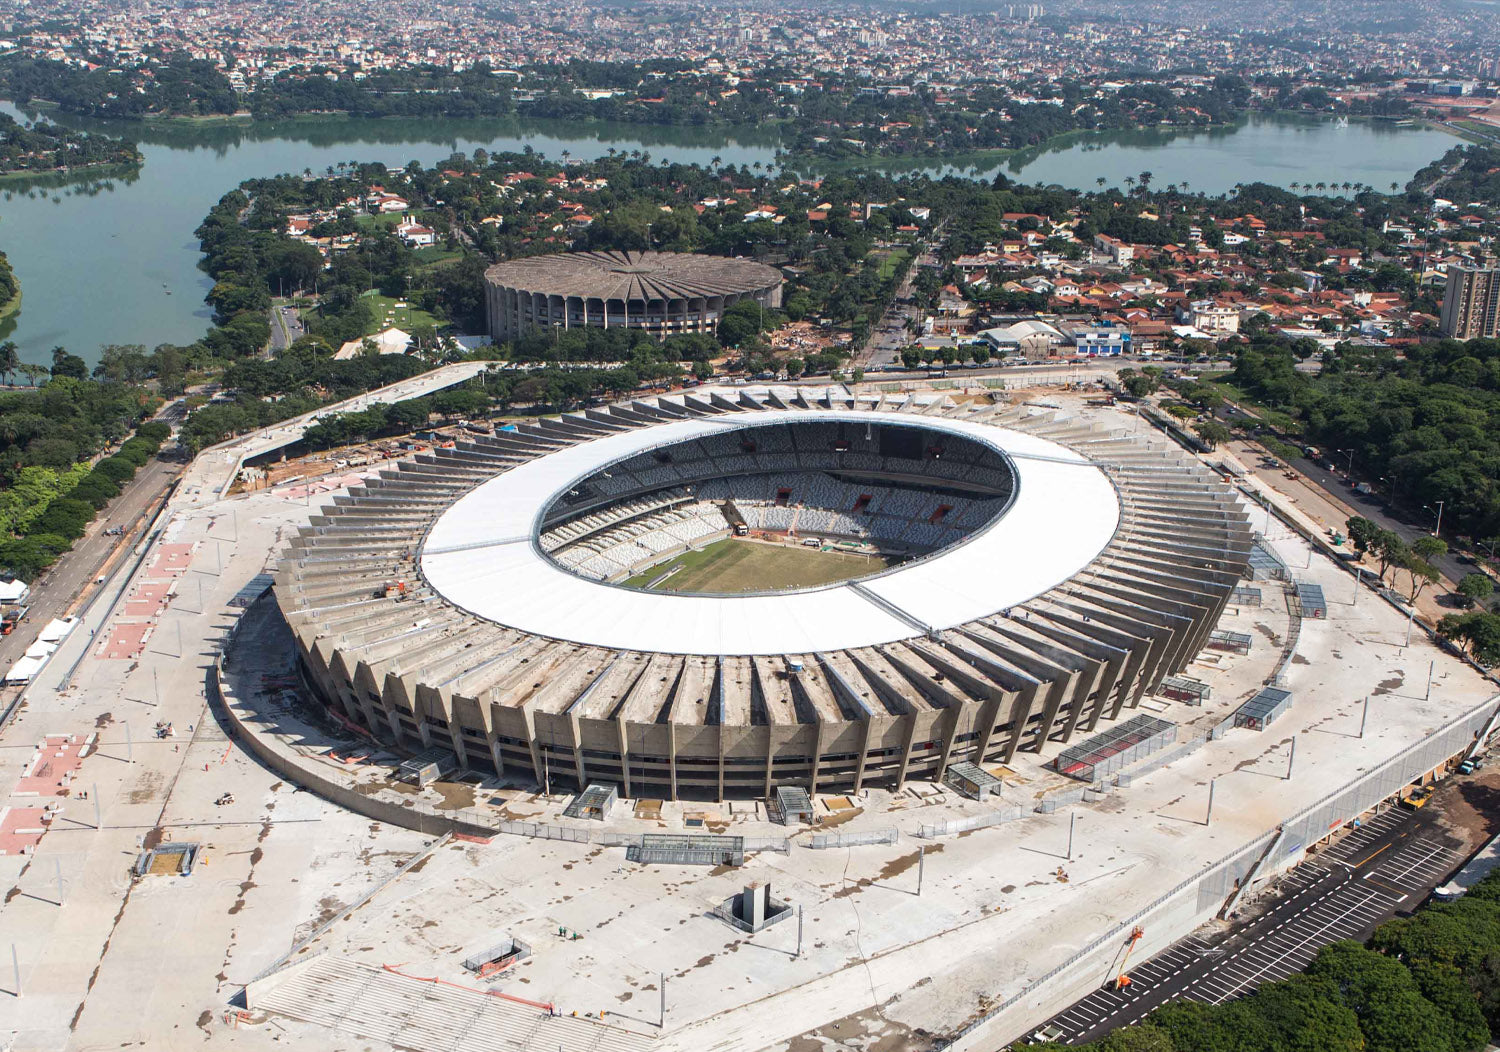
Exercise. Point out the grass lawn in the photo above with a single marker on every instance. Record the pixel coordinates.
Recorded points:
(433, 255)
(889, 262)
(752, 566)
(384, 313)
(369, 222)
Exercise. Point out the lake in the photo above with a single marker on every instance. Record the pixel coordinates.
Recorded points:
(115, 261)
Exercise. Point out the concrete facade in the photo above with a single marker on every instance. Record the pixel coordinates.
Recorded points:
(417, 671)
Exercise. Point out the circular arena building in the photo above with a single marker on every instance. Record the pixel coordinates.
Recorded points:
(665, 293)
(717, 594)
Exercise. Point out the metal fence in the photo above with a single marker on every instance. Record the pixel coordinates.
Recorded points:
(1157, 762)
(962, 825)
(766, 843)
(1071, 796)
(824, 841)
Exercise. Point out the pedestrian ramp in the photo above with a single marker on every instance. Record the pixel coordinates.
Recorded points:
(428, 1015)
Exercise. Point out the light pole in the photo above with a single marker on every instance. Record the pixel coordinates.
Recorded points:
(1437, 529)
(1350, 469)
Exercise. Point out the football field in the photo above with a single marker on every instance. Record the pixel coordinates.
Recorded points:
(753, 566)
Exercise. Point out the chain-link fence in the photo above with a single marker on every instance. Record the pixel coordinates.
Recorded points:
(962, 825)
(825, 841)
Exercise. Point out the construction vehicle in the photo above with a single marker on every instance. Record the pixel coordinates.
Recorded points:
(1417, 798)
(1122, 981)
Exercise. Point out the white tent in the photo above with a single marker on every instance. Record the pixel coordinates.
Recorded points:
(391, 341)
(41, 649)
(57, 629)
(13, 591)
(23, 671)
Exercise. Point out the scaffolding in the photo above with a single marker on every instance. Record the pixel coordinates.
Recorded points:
(1310, 599)
(1258, 713)
(498, 957)
(972, 781)
(1233, 642)
(427, 766)
(595, 802)
(1103, 754)
(790, 804)
(1183, 689)
(1266, 565)
(675, 849)
(1245, 596)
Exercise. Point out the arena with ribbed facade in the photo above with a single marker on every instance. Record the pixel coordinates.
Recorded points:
(664, 293)
(1045, 576)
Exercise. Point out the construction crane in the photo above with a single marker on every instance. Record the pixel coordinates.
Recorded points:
(1122, 980)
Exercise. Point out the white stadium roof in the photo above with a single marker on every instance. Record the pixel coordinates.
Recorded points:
(482, 555)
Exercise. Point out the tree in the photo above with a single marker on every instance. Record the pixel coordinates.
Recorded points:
(1392, 1012)
(740, 322)
(10, 361)
(1362, 534)
(1390, 549)
(1423, 574)
(1213, 432)
(1474, 588)
(65, 364)
(1429, 548)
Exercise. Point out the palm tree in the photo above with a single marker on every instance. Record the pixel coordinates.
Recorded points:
(1395, 186)
(715, 161)
(1322, 185)
(1100, 182)
(10, 361)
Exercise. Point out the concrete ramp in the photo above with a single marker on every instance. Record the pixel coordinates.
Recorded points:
(431, 1015)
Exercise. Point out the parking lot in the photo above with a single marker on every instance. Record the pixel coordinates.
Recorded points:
(1389, 863)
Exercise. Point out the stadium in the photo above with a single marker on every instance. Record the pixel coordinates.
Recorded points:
(718, 594)
(664, 293)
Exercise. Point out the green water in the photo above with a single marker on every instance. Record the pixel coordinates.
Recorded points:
(115, 261)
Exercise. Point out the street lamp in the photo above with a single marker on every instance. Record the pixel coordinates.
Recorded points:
(1438, 529)
(1350, 469)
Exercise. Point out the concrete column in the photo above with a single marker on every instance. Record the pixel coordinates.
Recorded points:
(911, 737)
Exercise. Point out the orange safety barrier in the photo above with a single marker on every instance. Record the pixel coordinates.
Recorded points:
(543, 1005)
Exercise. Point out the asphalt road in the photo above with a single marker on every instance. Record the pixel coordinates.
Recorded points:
(1409, 524)
(286, 328)
(54, 593)
(1389, 864)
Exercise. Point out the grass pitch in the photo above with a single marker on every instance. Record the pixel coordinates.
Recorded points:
(752, 566)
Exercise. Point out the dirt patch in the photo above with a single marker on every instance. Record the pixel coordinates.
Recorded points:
(456, 795)
(838, 819)
(154, 838)
(145, 788)
(204, 1019)
(104, 719)
(892, 869)
(868, 1030)
(1387, 685)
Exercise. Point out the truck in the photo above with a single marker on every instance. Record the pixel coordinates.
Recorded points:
(1364, 489)
(1312, 452)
